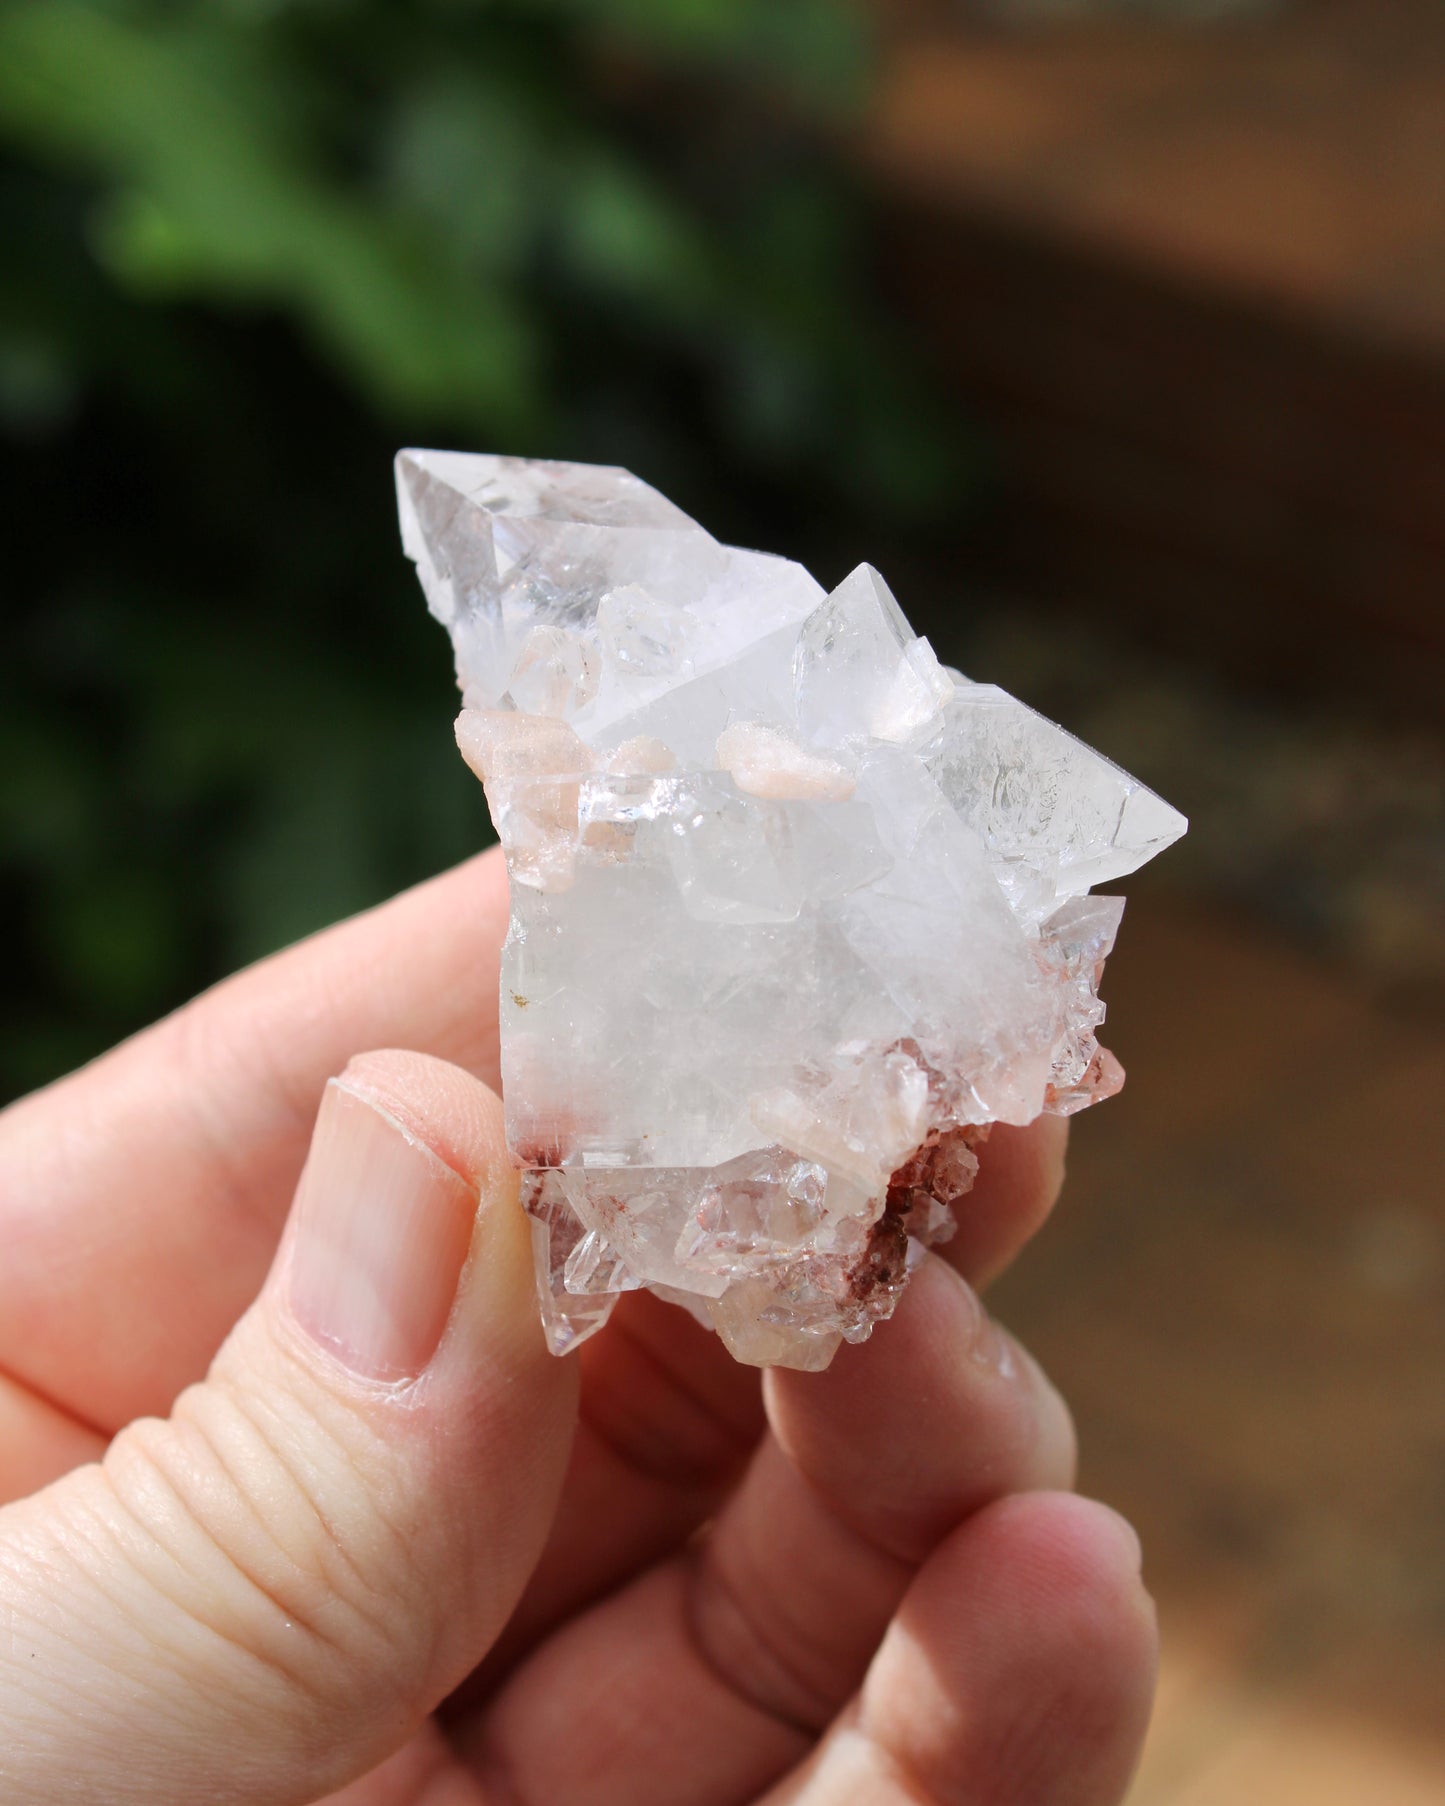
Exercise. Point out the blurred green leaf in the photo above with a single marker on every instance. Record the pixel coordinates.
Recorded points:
(622, 233)
(48, 800)
(816, 47)
(462, 152)
(111, 935)
(247, 248)
(211, 203)
(38, 390)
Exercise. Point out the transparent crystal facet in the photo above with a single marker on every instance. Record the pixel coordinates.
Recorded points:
(796, 912)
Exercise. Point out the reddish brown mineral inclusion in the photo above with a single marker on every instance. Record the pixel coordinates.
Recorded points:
(796, 911)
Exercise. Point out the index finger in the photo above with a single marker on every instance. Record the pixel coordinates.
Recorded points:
(141, 1198)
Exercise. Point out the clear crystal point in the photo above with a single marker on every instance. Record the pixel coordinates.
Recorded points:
(796, 913)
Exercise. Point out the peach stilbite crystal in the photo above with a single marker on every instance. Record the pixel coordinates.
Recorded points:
(796, 912)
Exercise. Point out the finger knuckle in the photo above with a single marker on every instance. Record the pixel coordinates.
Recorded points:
(230, 1533)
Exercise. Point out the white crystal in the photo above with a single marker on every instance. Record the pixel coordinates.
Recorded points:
(555, 673)
(796, 913)
(859, 671)
(1055, 816)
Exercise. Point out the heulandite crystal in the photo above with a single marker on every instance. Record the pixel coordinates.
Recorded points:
(796, 912)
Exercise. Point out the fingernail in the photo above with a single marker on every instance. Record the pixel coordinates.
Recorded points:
(994, 1348)
(978, 1335)
(382, 1227)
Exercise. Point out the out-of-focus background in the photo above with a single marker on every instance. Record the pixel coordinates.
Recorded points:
(1112, 330)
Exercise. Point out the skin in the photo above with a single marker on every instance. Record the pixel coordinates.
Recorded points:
(232, 1570)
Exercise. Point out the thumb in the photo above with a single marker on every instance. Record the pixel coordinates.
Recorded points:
(261, 1597)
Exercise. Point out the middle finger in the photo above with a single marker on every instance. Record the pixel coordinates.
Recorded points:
(750, 1640)
(668, 1418)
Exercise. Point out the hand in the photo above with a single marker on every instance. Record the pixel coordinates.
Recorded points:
(377, 1545)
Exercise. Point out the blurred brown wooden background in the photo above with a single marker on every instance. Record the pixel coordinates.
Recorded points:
(1194, 281)
(1242, 1295)
(1192, 284)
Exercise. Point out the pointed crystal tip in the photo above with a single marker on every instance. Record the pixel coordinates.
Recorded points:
(796, 912)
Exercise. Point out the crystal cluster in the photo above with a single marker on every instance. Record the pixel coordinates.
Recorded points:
(796, 911)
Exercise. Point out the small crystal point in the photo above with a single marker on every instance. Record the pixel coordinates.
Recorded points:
(796, 912)
(1055, 816)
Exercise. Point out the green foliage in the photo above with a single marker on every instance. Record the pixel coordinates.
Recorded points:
(393, 178)
(252, 245)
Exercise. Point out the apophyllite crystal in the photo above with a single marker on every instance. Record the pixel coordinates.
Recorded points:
(797, 912)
